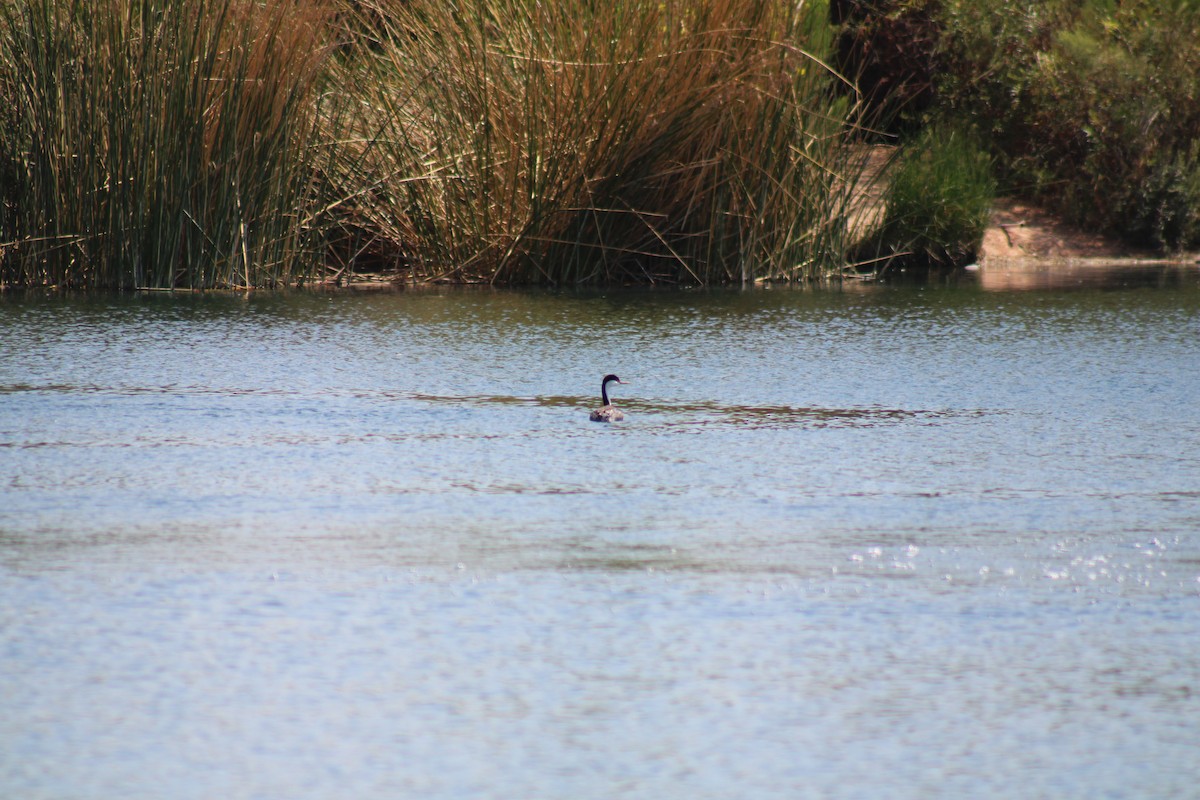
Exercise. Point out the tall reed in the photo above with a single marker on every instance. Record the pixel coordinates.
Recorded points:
(157, 144)
(595, 142)
(204, 143)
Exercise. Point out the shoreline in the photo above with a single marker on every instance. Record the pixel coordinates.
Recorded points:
(1023, 246)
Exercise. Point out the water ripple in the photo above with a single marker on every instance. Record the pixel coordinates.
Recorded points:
(708, 413)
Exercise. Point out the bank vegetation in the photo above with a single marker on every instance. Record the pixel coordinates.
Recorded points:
(254, 143)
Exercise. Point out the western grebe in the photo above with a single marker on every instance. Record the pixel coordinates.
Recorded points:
(606, 412)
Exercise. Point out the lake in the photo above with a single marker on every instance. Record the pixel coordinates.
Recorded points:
(899, 542)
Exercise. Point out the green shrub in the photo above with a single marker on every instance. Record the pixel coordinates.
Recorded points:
(937, 203)
(1092, 105)
(1164, 207)
(889, 49)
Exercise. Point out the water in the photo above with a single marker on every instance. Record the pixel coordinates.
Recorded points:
(878, 543)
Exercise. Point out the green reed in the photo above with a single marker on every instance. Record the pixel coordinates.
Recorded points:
(157, 144)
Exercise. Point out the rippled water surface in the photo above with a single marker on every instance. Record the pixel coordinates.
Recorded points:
(887, 543)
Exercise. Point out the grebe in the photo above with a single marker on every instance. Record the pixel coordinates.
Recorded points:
(606, 412)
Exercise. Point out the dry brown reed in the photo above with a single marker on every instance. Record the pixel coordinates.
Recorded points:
(588, 142)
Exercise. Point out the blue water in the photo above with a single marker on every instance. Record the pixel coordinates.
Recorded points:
(891, 542)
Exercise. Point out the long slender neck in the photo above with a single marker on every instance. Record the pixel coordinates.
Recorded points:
(604, 392)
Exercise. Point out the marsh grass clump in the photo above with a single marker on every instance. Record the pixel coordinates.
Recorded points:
(936, 204)
(583, 142)
(153, 144)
